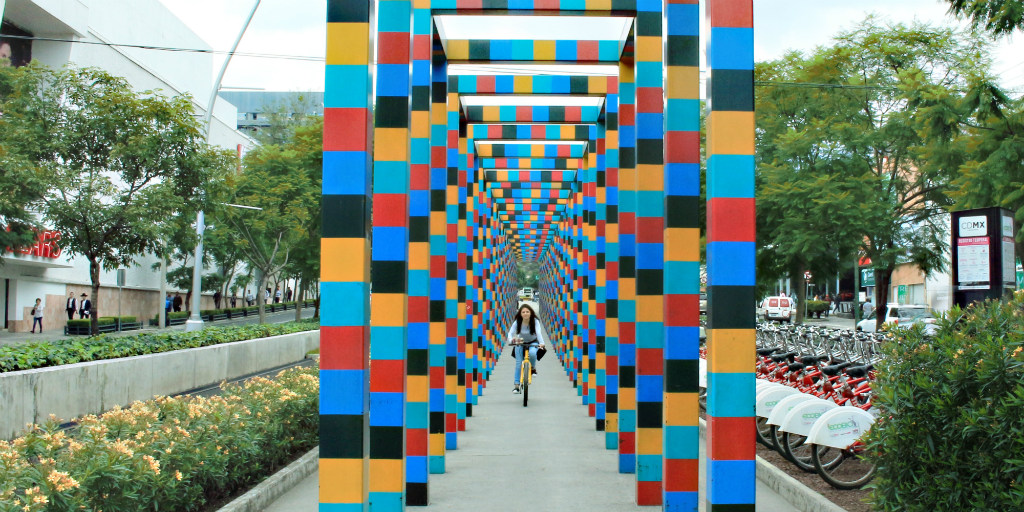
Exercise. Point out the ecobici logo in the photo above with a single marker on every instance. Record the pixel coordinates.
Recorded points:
(771, 404)
(812, 415)
(844, 425)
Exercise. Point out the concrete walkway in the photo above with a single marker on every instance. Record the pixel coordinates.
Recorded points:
(14, 338)
(547, 456)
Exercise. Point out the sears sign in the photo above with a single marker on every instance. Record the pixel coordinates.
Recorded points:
(974, 226)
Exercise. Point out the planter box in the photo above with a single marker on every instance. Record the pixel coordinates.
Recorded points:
(74, 390)
(84, 331)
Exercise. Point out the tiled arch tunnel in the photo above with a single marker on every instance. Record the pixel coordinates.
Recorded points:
(567, 133)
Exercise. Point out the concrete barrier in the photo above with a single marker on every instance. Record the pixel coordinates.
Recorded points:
(74, 390)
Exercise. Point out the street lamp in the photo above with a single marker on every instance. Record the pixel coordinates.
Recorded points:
(195, 321)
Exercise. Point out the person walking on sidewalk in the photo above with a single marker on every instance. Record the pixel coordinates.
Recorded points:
(72, 305)
(277, 295)
(177, 302)
(37, 316)
(216, 300)
(84, 307)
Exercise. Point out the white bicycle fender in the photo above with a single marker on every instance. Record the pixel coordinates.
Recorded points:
(768, 398)
(785, 405)
(801, 418)
(840, 427)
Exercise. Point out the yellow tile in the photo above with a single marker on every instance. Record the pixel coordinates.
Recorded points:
(522, 84)
(627, 398)
(438, 223)
(491, 113)
(417, 388)
(485, 150)
(648, 441)
(420, 124)
(682, 244)
(648, 49)
(611, 422)
(730, 133)
(567, 132)
(419, 256)
(611, 139)
(649, 308)
(348, 43)
(387, 475)
(599, 5)
(458, 49)
(731, 350)
(344, 260)
(390, 144)
(453, 104)
(683, 82)
(438, 333)
(341, 480)
(543, 50)
(597, 85)
(438, 116)
(650, 177)
(626, 73)
(681, 409)
(437, 443)
(388, 309)
(627, 178)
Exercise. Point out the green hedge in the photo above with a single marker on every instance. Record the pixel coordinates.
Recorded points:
(950, 435)
(53, 353)
(168, 454)
(814, 306)
(103, 320)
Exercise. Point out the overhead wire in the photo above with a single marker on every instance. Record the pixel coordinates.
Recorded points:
(307, 58)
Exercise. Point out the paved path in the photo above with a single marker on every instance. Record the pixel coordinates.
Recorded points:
(563, 464)
(7, 338)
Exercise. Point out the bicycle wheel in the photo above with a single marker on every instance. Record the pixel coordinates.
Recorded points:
(776, 437)
(526, 381)
(849, 471)
(764, 433)
(798, 451)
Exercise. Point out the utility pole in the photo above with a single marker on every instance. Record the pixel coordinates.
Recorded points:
(856, 290)
(195, 321)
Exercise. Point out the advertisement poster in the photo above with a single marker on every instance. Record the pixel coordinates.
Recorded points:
(973, 263)
(1009, 260)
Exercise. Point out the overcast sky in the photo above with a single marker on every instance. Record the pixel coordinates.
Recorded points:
(297, 27)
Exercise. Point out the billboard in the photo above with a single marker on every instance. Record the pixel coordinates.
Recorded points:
(14, 51)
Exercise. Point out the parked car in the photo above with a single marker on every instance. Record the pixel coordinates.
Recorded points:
(778, 308)
(526, 294)
(902, 315)
(703, 335)
(703, 303)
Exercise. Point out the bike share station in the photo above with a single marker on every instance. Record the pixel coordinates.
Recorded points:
(463, 137)
(983, 255)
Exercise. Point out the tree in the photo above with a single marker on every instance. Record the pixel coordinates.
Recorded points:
(1000, 17)
(286, 117)
(280, 180)
(22, 182)
(119, 162)
(845, 145)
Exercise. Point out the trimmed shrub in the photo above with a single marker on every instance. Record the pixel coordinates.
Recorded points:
(26, 356)
(817, 306)
(169, 454)
(103, 320)
(950, 434)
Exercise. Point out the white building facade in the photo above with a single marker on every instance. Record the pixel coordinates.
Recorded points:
(87, 33)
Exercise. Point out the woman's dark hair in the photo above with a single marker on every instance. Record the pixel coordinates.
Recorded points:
(519, 319)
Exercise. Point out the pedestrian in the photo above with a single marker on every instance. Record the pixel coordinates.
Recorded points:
(177, 303)
(84, 306)
(216, 299)
(288, 295)
(168, 303)
(37, 316)
(72, 305)
(277, 295)
(839, 302)
(234, 300)
(868, 307)
(266, 296)
(249, 297)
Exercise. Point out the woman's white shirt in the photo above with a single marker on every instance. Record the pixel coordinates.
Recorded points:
(542, 337)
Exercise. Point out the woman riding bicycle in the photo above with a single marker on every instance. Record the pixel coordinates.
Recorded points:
(527, 330)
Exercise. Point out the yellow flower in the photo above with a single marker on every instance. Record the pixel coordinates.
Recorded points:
(177, 475)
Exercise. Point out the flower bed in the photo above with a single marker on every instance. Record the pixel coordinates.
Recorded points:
(53, 353)
(170, 454)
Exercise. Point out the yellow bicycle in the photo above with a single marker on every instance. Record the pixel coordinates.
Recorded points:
(525, 372)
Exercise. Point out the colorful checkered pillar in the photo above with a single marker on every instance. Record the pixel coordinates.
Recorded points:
(345, 260)
(598, 266)
(650, 253)
(730, 256)
(462, 249)
(587, 275)
(627, 268)
(470, 294)
(438, 249)
(451, 383)
(682, 255)
(390, 257)
(579, 292)
(611, 264)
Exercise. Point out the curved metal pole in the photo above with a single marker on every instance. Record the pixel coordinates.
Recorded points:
(195, 321)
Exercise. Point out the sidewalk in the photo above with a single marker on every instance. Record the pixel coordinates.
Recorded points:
(544, 457)
(7, 338)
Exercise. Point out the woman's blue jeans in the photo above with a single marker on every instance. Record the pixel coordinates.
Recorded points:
(518, 351)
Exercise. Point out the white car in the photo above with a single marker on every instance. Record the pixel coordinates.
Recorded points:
(778, 308)
(526, 294)
(902, 315)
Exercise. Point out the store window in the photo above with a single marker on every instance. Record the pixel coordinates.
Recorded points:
(15, 51)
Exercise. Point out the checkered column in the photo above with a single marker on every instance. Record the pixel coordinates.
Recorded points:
(611, 294)
(438, 249)
(463, 250)
(390, 257)
(650, 252)
(579, 294)
(730, 255)
(588, 275)
(627, 268)
(451, 383)
(598, 271)
(345, 259)
(470, 294)
(682, 255)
